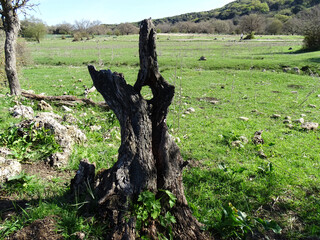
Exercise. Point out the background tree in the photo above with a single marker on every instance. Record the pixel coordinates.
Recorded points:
(221, 26)
(127, 28)
(310, 20)
(33, 29)
(252, 23)
(11, 26)
(274, 27)
(63, 28)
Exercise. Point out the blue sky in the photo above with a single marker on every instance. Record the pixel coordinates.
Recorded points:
(53, 12)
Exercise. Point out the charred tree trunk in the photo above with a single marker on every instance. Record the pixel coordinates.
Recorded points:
(11, 26)
(148, 159)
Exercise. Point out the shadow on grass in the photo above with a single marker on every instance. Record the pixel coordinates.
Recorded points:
(73, 216)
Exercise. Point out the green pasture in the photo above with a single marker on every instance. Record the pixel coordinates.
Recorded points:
(253, 79)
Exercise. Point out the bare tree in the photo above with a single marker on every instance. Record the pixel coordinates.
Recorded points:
(11, 26)
(149, 159)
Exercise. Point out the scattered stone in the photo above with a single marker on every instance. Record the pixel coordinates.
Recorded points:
(76, 134)
(287, 69)
(21, 111)
(296, 70)
(300, 120)
(4, 152)
(275, 116)
(202, 58)
(60, 80)
(69, 118)
(80, 80)
(83, 114)
(312, 106)
(303, 115)
(214, 102)
(262, 154)
(318, 96)
(287, 118)
(65, 136)
(264, 70)
(286, 121)
(80, 235)
(245, 119)
(290, 48)
(44, 106)
(30, 91)
(310, 126)
(243, 139)
(191, 110)
(65, 93)
(8, 168)
(95, 128)
(257, 138)
(237, 144)
(66, 109)
(294, 92)
(289, 126)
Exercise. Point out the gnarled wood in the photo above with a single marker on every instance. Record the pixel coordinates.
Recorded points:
(148, 159)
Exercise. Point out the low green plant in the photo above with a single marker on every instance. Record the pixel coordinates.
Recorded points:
(20, 183)
(236, 224)
(250, 36)
(29, 143)
(150, 207)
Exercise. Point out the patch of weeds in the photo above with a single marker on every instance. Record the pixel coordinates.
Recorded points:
(150, 208)
(236, 224)
(29, 143)
(19, 183)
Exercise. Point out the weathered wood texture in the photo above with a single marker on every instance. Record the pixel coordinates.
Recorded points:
(64, 99)
(148, 159)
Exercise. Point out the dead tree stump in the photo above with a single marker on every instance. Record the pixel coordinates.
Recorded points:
(148, 157)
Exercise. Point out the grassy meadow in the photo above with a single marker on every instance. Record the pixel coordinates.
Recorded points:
(237, 189)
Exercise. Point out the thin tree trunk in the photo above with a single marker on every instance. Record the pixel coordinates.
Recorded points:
(11, 26)
(148, 159)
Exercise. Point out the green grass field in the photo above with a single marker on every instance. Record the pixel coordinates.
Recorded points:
(276, 184)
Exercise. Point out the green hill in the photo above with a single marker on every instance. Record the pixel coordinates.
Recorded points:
(272, 8)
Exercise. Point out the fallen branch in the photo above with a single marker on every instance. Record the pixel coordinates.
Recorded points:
(65, 98)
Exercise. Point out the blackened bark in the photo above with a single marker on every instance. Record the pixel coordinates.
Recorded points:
(11, 27)
(148, 159)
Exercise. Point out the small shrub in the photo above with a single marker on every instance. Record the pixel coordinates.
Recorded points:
(312, 40)
(250, 36)
(30, 143)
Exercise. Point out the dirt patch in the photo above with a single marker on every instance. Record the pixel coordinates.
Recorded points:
(45, 172)
(295, 86)
(208, 99)
(41, 229)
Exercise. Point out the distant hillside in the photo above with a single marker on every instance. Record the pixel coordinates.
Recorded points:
(272, 8)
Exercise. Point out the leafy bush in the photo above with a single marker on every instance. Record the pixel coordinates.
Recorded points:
(149, 207)
(250, 36)
(30, 143)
